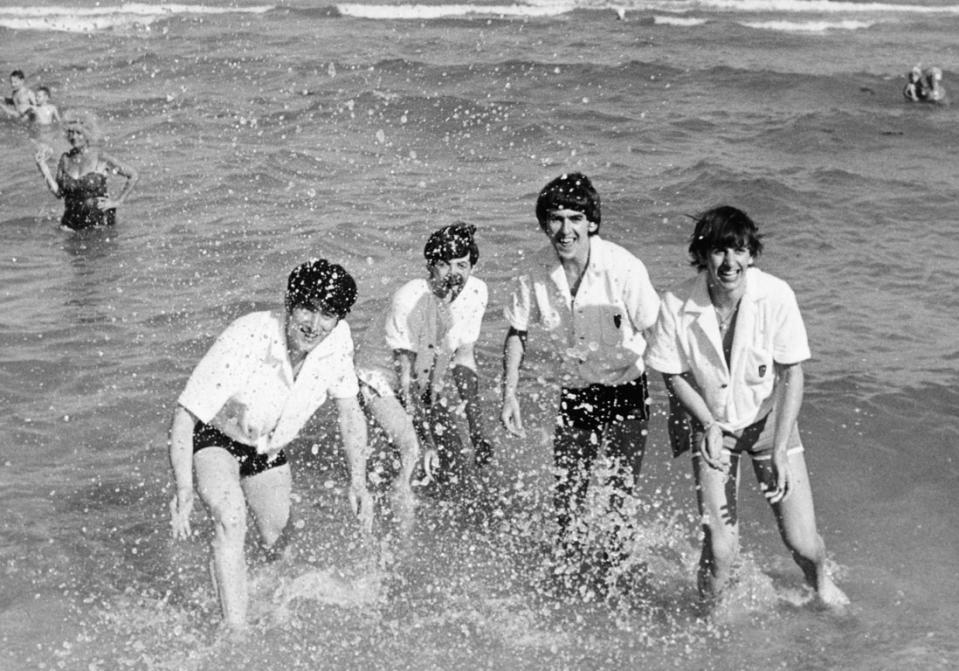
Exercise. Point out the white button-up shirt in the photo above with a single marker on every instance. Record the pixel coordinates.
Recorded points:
(244, 384)
(596, 335)
(419, 321)
(769, 328)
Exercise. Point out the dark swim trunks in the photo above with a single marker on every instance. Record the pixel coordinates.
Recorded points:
(80, 209)
(251, 461)
(592, 408)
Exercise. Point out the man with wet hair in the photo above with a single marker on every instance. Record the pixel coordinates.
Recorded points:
(593, 301)
(246, 400)
(428, 338)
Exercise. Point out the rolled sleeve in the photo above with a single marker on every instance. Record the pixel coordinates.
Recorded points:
(519, 308)
(665, 353)
(790, 343)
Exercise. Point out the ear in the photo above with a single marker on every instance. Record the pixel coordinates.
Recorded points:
(593, 228)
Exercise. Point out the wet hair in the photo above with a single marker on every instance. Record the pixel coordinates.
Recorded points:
(84, 121)
(18, 74)
(572, 191)
(320, 285)
(452, 242)
(721, 227)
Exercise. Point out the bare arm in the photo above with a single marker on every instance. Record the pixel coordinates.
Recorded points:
(467, 384)
(352, 423)
(513, 350)
(790, 386)
(42, 155)
(710, 448)
(181, 459)
(124, 170)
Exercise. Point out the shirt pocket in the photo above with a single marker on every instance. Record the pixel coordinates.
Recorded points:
(611, 325)
(757, 366)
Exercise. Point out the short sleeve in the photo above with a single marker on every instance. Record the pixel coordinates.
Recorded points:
(404, 319)
(220, 373)
(343, 380)
(790, 343)
(519, 307)
(640, 297)
(665, 352)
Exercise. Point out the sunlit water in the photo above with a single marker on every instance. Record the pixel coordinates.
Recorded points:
(265, 135)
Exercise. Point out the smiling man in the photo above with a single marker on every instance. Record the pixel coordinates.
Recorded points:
(593, 300)
(246, 401)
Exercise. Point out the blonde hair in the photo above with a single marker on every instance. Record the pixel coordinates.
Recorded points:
(84, 121)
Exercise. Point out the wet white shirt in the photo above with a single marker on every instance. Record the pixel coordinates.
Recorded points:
(418, 321)
(244, 384)
(769, 328)
(596, 335)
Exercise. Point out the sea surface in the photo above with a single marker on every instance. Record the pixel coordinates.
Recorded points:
(266, 134)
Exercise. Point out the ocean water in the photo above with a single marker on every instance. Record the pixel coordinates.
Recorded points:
(266, 134)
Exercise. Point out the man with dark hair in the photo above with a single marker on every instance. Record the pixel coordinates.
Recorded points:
(593, 300)
(428, 338)
(246, 400)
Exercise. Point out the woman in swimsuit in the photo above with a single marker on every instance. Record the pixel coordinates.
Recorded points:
(81, 178)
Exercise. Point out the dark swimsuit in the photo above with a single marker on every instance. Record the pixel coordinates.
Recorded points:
(251, 462)
(80, 195)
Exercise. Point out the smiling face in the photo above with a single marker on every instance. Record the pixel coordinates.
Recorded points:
(306, 328)
(726, 270)
(568, 231)
(447, 278)
(76, 137)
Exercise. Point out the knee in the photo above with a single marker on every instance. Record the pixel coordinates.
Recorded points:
(230, 528)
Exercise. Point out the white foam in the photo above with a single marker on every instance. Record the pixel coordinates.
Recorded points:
(677, 21)
(410, 12)
(808, 26)
(90, 19)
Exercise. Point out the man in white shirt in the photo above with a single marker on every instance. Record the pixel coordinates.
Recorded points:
(249, 396)
(428, 337)
(730, 344)
(592, 300)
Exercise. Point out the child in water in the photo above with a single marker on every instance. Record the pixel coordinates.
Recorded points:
(45, 113)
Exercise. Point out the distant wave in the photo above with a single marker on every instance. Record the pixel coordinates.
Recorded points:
(808, 26)
(450, 11)
(678, 21)
(89, 19)
(545, 8)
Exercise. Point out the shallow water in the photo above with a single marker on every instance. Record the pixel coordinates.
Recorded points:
(265, 135)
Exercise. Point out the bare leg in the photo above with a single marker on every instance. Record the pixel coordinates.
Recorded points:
(268, 495)
(218, 483)
(796, 517)
(717, 493)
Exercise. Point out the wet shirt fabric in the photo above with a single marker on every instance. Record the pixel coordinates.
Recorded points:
(80, 209)
(596, 335)
(419, 321)
(244, 385)
(769, 329)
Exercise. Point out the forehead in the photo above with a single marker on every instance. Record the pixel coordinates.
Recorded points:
(454, 261)
(568, 212)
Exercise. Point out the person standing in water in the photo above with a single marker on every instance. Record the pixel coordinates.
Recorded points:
(730, 344)
(428, 342)
(246, 400)
(593, 301)
(21, 101)
(81, 177)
